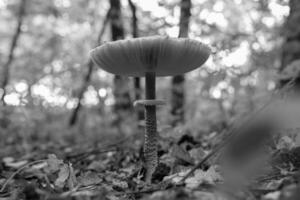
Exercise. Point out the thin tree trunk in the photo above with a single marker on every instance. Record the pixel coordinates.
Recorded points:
(86, 81)
(177, 98)
(134, 20)
(16, 36)
(87, 76)
(291, 46)
(137, 80)
(121, 90)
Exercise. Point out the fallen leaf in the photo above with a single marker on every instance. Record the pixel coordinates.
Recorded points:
(176, 178)
(197, 154)
(72, 178)
(181, 154)
(63, 176)
(10, 162)
(54, 164)
(89, 178)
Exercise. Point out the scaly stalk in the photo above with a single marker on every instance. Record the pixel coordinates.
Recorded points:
(150, 143)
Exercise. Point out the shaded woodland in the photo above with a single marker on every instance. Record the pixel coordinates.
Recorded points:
(229, 130)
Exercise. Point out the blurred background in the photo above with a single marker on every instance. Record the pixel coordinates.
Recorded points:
(50, 89)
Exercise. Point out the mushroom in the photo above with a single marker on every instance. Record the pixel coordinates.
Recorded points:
(150, 57)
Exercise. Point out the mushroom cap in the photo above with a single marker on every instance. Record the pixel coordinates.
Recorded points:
(162, 55)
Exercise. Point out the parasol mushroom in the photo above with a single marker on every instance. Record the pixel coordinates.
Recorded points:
(150, 57)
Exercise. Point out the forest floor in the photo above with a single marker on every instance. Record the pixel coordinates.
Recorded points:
(35, 168)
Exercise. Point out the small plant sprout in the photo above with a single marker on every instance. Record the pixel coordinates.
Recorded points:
(150, 57)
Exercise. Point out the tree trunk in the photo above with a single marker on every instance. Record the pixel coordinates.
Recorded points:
(177, 98)
(291, 46)
(16, 36)
(121, 87)
(134, 19)
(137, 80)
(86, 81)
(87, 76)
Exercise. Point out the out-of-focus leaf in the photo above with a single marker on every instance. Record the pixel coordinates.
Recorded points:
(285, 142)
(206, 195)
(112, 197)
(297, 140)
(120, 183)
(9, 162)
(272, 196)
(291, 192)
(203, 177)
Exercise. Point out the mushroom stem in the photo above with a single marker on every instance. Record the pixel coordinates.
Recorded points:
(150, 143)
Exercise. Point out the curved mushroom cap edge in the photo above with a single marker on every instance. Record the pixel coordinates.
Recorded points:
(163, 55)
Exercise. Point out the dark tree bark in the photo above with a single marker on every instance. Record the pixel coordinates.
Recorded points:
(86, 81)
(291, 46)
(134, 21)
(137, 80)
(16, 36)
(87, 76)
(121, 90)
(177, 98)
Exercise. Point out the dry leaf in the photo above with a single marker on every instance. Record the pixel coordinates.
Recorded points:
(63, 176)
(89, 178)
(203, 177)
(181, 154)
(72, 178)
(54, 164)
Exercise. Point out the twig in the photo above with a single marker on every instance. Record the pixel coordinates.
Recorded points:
(96, 150)
(17, 172)
(276, 176)
(232, 132)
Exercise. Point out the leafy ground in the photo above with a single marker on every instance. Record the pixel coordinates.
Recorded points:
(102, 169)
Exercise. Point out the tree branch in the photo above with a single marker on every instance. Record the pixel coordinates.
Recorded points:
(16, 36)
